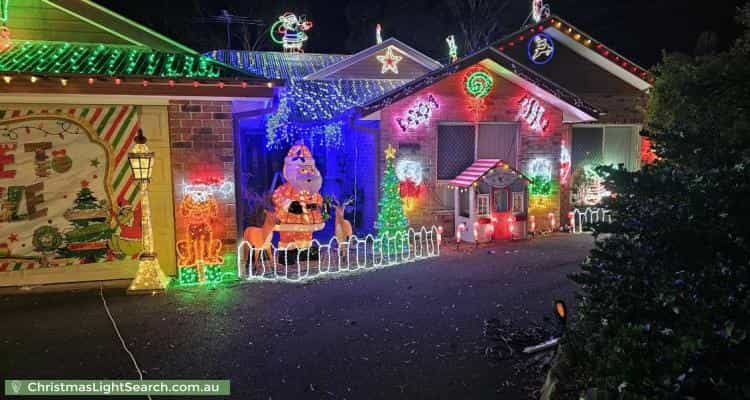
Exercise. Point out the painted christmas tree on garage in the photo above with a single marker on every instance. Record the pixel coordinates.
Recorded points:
(88, 240)
(391, 217)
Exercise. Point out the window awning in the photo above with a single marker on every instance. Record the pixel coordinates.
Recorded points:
(479, 169)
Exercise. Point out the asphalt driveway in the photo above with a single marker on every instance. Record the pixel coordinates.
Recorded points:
(404, 332)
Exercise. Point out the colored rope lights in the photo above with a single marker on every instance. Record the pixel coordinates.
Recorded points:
(389, 61)
(532, 111)
(541, 48)
(478, 83)
(106, 60)
(419, 113)
(452, 48)
(289, 32)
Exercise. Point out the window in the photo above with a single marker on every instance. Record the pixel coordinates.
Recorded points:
(498, 141)
(483, 205)
(455, 150)
(501, 200)
(586, 146)
(606, 145)
(518, 202)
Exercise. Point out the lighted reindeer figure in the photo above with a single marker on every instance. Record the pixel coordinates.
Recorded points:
(259, 237)
(343, 230)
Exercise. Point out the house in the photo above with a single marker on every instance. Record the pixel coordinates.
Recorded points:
(549, 100)
(317, 105)
(78, 82)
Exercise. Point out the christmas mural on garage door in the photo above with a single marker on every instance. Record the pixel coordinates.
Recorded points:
(67, 196)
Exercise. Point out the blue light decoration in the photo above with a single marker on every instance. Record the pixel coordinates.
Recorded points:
(317, 111)
(314, 111)
(541, 48)
(276, 65)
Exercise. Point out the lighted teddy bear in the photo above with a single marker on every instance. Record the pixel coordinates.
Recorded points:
(298, 201)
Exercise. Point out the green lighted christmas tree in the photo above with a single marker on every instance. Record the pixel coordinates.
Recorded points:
(391, 217)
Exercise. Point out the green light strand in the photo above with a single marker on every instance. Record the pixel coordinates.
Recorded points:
(479, 83)
(64, 57)
(4, 11)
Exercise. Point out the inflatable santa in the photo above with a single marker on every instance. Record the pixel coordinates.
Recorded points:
(298, 201)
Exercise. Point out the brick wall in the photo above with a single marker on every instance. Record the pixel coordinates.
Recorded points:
(503, 106)
(202, 147)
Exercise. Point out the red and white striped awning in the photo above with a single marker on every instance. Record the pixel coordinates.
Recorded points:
(474, 172)
(478, 169)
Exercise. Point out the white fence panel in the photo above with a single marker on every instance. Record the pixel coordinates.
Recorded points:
(588, 216)
(337, 258)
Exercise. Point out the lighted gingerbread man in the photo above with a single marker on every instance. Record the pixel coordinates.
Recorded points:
(199, 248)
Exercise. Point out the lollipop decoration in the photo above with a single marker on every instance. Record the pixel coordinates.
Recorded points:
(289, 32)
(478, 83)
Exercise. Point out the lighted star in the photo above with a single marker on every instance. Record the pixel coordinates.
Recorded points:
(389, 61)
(94, 162)
(390, 153)
(84, 183)
(13, 237)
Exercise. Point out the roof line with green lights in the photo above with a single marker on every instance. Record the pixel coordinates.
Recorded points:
(96, 59)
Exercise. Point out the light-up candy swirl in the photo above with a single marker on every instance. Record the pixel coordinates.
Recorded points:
(478, 83)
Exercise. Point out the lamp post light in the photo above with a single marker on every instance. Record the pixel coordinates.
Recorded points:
(149, 279)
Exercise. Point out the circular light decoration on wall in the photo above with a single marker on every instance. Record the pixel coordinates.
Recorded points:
(541, 48)
(478, 83)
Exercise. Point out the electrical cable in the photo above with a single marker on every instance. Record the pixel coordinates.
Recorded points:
(122, 341)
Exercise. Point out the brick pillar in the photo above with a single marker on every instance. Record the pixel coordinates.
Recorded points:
(202, 146)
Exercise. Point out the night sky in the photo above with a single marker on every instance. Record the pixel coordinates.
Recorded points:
(639, 29)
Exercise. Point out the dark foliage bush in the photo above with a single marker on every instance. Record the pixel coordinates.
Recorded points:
(664, 309)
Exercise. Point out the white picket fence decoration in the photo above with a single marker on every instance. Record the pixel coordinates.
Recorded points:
(338, 258)
(589, 216)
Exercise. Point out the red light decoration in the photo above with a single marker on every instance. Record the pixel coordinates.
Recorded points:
(91, 81)
(647, 155)
(532, 111)
(477, 83)
(118, 81)
(243, 85)
(144, 83)
(170, 83)
(564, 164)
(196, 84)
(220, 85)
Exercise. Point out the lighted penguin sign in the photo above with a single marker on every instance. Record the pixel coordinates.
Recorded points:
(541, 48)
(419, 113)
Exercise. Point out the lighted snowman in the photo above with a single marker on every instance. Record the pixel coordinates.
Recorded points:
(298, 201)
